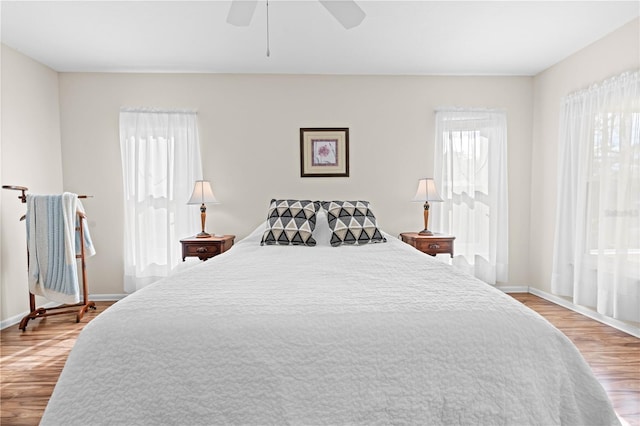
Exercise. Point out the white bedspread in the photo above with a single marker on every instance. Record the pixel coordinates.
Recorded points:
(378, 334)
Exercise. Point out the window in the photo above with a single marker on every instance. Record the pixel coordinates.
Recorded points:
(613, 184)
(596, 258)
(470, 171)
(160, 162)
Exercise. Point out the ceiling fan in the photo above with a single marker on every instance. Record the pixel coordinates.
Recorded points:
(347, 12)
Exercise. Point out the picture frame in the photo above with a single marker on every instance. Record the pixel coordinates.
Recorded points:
(324, 152)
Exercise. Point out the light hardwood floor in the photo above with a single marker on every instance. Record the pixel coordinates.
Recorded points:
(614, 356)
(30, 362)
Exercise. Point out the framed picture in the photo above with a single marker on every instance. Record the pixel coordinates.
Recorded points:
(324, 152)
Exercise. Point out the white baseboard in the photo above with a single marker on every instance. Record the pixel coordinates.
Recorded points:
(589, 313)
(17, 318)
(513, 288)
(611, 322)
(95, 297)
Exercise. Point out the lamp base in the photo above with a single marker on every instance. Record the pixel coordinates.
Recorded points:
(425, 232)
(203, 235)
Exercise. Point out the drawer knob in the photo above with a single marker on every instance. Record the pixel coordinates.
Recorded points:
(201, 250)
(434, 246)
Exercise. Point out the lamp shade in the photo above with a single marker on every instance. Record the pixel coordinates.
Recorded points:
(427, 191)
(202, 193)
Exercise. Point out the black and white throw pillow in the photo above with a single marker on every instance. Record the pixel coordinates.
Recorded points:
(290, 222)
(352, 222)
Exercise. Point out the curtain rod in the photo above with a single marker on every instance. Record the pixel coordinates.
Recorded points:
(604, 84)
(158, 110)
(463, 109)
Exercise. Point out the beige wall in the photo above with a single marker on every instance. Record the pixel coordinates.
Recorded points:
(249, 135)
(612, 55)
(249, 132)
(31, 157)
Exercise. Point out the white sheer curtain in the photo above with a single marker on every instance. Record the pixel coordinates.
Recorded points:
(160, 163)
(471, 175)
(597, 241)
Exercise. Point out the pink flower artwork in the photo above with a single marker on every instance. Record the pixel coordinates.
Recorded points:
(325, 152)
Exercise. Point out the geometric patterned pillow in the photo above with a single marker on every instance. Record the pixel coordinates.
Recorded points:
(352, 222)
(290, 222)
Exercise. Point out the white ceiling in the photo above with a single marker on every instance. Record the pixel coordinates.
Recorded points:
(396, 37)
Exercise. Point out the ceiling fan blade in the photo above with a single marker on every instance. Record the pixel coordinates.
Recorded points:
(347, 12)
(241, 12)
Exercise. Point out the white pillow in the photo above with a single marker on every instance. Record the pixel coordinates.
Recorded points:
(322, 233)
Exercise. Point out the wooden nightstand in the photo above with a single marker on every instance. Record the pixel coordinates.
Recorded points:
(429, 244)
(204, 248)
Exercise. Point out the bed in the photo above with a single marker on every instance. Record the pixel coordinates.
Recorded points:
(349, 335)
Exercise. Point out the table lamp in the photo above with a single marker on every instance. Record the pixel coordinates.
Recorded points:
(202, 194)
(426, 192)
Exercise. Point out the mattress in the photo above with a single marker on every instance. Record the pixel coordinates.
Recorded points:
(350, 335)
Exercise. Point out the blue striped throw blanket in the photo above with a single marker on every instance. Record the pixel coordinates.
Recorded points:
(53, 242)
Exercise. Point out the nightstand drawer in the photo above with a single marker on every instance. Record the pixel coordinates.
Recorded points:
(205, 248)
(430, 244)
(434, 247)
(208, 250)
